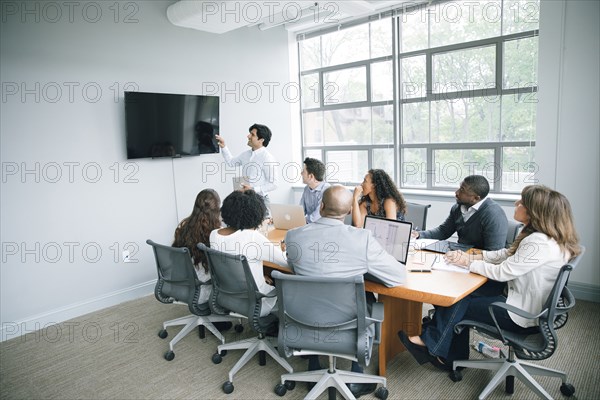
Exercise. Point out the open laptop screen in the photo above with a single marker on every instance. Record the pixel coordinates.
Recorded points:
(393, 235)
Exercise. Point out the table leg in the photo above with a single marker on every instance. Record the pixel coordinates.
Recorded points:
(398, 314)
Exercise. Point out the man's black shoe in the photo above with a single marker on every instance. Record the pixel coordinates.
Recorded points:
(358, 389)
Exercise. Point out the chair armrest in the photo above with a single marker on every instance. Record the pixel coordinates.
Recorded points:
(513, 309)
(376, 318)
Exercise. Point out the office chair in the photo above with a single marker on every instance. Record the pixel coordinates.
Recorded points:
(535, 344)
(514, 227)
(417, 214)
(327, 316)
(235, 291)
(177, 284)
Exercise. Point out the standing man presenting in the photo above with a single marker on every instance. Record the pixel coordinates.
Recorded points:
(313, 174)
(478, 221)
(258, 165)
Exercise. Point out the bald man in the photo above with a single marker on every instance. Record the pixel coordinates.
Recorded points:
(328, 247)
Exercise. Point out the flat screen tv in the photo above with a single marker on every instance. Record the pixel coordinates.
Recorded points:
(170, 125)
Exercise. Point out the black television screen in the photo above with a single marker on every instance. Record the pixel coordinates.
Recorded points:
(170, 125)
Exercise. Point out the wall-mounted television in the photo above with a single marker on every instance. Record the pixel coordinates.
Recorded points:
(170, 125)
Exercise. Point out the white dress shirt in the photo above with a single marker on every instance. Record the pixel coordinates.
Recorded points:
(530, 273)
(258, 166)
(257, 248)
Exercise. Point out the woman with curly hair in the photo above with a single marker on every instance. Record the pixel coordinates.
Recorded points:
(379, 196)
(530, 267)
(243, 212)
(196, 229)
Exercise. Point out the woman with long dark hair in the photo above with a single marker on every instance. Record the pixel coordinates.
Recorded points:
(377, 195)
(196, 229)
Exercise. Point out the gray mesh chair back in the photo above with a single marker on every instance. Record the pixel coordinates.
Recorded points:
(514, 227)
(235, 291)
(417, 214)
(177, 279)
(178, 283)
(326, 316)
(536, 343)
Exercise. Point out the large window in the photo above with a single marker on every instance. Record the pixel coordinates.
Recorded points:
(430, 94)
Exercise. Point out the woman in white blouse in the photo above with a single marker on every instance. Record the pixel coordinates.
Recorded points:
(243, 212)
(529, 267)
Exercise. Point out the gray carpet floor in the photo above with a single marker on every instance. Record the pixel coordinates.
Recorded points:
(115, 353)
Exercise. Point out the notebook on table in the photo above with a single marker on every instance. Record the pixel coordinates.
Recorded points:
(287, 216)
(444, 246)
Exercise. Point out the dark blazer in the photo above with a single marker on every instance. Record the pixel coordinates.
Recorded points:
(485, 230)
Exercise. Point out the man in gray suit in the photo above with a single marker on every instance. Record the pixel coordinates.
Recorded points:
(328, 247)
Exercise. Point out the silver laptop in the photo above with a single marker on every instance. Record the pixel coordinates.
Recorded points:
(287, 216)
(393, 235)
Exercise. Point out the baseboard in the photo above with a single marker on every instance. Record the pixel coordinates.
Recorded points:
(10, 330)
(585, 291)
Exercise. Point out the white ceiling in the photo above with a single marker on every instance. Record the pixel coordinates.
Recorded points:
(226, 15)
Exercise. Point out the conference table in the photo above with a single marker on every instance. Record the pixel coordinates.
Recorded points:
(403, 305)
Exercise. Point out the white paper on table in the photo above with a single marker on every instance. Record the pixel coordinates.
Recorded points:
(441, 265)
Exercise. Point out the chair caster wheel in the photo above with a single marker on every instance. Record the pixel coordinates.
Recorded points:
(216, 358)
(455, 376)
(228, 387)
(169, 355)
(239, 328)
(280, 390)
(163, 334)
(223, 353)
(262, 358)
(567, 389)
(290, 385)
(381, 393)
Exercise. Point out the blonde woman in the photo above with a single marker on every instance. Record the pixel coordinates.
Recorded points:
(529, 267)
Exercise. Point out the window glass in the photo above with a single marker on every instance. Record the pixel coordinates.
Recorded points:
(464, 21)
(519, 117)
(346, 45)
(345, 86)
(520, 63)
(413, 81)
(444, 96)
(518, 168)
(384, 159)
(347, 166)
(413, 168)
(520, 16)
(464, 120)
(468, 69)
(310, 53)
(415, 123)
(348, 126)
(310, 91)
(452, 166)
(414, 32)
(382, 81)
(312, 128)
(381, 38)
(383, 124)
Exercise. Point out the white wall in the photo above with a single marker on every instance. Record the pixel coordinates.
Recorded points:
(65, 224)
